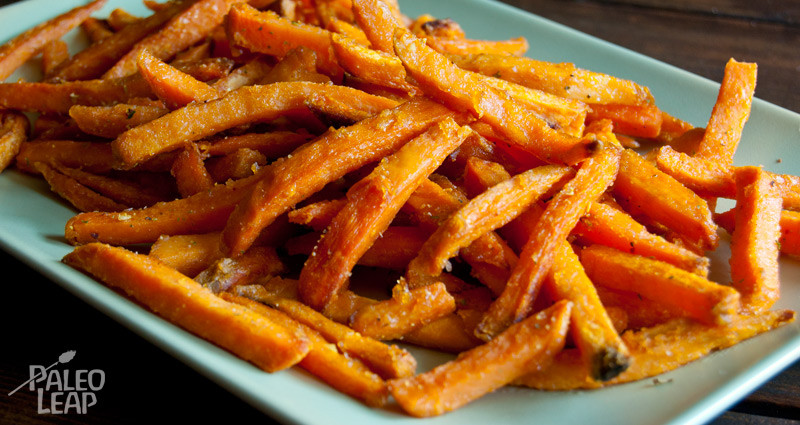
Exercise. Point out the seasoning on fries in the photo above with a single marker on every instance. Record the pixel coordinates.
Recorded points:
(326, 183)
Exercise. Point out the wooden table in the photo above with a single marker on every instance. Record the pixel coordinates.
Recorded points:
(144, 384)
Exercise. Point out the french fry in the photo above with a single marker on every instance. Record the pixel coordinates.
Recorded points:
(370, 65)
(642, 120)
(789, 242)
(680, 341)
(372, 204)
(188, 254)
(80, 196)
(557, 221)
(174, 87)
(126, 191)
(245, 105)
(460, 89)
(331, 157)
(513, 47)
(273, 145)
(731, 111)
(488, 211)
(184, 302)
(520, 349)
(183, 29)
(226, 273)
(699, 298)
(341, 372)
(378, 21)
(54, 53)
(189, 170)
(111, 121)
(238, 164)
(14, 129)
(754, 242)
(388, 361)
(641, 183)
(89, 156)
(95, 29)
(408, 309)
(18, 50)
(591, 327)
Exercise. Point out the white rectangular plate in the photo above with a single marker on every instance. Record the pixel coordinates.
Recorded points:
(32, 222)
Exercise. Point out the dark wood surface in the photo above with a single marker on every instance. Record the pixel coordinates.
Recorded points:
(146, 385)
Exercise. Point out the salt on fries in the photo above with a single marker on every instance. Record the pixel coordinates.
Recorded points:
(501, 195)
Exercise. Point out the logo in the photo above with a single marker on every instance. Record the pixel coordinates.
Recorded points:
(63, 391)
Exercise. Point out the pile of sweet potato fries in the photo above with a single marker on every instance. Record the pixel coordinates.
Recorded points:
(238, 166)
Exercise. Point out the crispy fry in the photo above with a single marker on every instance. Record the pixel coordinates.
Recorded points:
(488, 211)
(730, 113)
(699, 298)
(557, 221)
(408, 309)
(754, 243)
(642, 120)
(179, 299)
(89, 156)
(463, 46)
(522, 348)
(640, 183)
(190, 172)
(18, 50)
(245, 105)
(372, 204)
(14, 129)
(189, 254)
(111, 121)
(226, 273)
(184, 28)
(331, 156)
(378, 21)
(83, 198)
(125, 191)
(174, 87)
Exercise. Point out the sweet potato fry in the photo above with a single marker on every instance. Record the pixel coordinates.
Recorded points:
(731, 111)
(269, 33)
(557, 221)
(238, 164)
(190, 172)
(371, 66)
(388, 361)
(58, 98)
(463, 46)
(14, 129)
(642, 120)
(54, 53)
(189, 254)
(641, 189)
(561, 79)
(125, 191)
(323, 360)
(524, 347)
(372, 204)
(330, 157)
(698, 297)
(95, 30)
(111, 121)
(754, 243)
(680, 341)
(378, 21)
(591, 327)
(408, 309)
(80, 196)
(226, 273)
(705, 177)
(89, 156)
(245, 105)
(18, 50)
(273, 144)
(606, 225)
(490, 210)
(461, 89)
(789, 242)
(174, 87)
(183, 29)
(184, 302)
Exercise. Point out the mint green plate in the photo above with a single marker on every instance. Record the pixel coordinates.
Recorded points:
(32, 222)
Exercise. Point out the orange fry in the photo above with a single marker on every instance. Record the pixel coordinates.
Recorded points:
(372, 204)
(13, 133)
(184, 302)
(698, 297)
(80, 196)
(18, 50)
(754, 243)
(524, 347)
(557, 221)
(174, 87)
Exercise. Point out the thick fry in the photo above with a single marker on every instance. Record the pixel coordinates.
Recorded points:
(18, 50)
(754, 243)
(490, 210)
(183, 29)
(14, 129)
(408, 309)
(226, 273)
(245, 105)
(642, 120)
(461, 89)
(731, 111)
(667, 202)
(184, 302)
(378, 21)
(657, 350)
(524, 347)
(329, 157)
(189, 254)
(372, 204)
(189, 170)
(699, 298)
(556, 222)
(175, 88)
